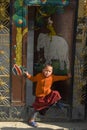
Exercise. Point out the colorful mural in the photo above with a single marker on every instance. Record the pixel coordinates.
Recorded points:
(20, 22)
(16, 113)
(42, 2)
(58, 50)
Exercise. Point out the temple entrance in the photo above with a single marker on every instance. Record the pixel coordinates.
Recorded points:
(40, 30)
(41, 33)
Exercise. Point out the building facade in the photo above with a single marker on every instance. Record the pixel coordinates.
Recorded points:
(33, 33)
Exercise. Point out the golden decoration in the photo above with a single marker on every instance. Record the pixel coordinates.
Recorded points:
(3, 11)
(19, 46)
(21, 2)
(1, 26)
(25, 31)
(80, 8)
(85, 8)
(7, 91)
(2, 68)
(41, 13)
(2, 83)
(4, 100)
(18, 49)
(2, 52)
(5, 1)
(20, 21)
(5, 44)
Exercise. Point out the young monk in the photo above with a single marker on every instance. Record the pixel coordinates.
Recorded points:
(45, 97)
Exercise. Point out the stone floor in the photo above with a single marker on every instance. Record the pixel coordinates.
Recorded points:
(44, 126)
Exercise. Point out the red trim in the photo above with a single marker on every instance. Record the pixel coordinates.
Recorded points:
(19, 72)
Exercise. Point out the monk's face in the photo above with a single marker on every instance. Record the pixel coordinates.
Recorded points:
(47, 71)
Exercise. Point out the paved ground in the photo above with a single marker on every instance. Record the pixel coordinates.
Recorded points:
(44, 126)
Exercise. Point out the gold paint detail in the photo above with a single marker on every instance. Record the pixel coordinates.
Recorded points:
(25, 31)
(18, 50)
(4, 55)
(3, 11)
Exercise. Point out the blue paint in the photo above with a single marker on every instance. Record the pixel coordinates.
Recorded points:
(46, 2)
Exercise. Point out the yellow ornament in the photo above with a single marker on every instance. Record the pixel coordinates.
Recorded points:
(20, 21)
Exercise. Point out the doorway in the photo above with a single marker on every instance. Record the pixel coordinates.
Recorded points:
(37, 24)
(63, 30)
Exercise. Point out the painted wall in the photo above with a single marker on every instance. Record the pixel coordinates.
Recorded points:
(8, 112)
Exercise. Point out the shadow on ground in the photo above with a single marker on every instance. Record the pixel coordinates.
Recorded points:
(11, 128)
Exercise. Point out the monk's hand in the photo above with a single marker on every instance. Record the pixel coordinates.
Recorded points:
(25, 74)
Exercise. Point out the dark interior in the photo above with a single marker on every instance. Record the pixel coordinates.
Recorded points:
(66, 31)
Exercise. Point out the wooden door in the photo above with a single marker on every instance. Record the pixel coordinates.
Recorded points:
(18, 93)
(18, 51)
